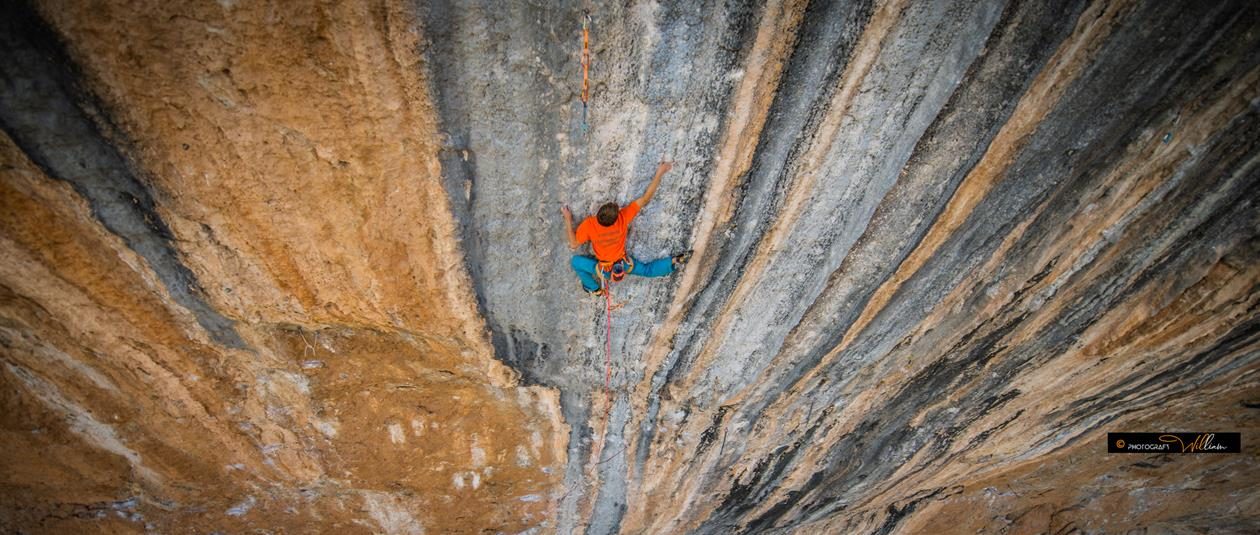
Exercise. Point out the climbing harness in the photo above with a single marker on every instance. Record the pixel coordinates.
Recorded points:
(586, 64)
(615, 269)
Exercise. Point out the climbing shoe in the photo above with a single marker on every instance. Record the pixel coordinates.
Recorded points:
(599, 292)
(681, 258)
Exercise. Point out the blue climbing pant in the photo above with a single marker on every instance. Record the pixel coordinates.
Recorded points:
(585, 267)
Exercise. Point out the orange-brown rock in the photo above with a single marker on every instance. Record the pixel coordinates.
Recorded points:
(362, 394)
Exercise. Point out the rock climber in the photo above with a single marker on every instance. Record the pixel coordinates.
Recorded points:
(606, 230)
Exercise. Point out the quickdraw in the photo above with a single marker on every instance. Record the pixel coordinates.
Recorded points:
(586, 64)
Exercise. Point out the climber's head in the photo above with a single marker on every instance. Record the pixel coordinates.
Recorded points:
(608, 214)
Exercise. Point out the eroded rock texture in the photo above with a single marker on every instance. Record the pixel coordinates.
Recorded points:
(232, 298)
(299, 266)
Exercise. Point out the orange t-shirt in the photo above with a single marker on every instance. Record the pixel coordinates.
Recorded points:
(609, 243)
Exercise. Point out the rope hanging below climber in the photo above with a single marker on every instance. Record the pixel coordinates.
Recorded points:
(607, 232)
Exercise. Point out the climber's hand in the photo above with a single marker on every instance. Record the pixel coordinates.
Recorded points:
(564, 209)
(664, 167)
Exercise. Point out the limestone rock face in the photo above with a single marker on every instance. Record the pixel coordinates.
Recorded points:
(233, 298)
(300, 266)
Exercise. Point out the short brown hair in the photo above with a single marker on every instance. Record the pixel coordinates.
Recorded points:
(608, 214)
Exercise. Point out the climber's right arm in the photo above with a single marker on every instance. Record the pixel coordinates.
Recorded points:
(568, 227)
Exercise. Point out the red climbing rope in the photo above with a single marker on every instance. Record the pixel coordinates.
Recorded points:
(608, 350)
(606, 284)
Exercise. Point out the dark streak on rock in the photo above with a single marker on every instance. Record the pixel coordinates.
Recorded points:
(1023, 39)
(748, 492)
(50, 117)
(711, 433)
(896, 514)
(826, 39)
